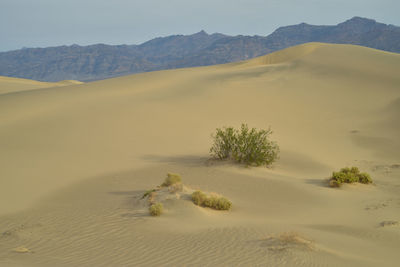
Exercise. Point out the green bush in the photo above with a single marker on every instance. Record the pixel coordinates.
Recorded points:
(349, 175)
(248, 146)
(156, 209)
(172, 178)
(211, 201)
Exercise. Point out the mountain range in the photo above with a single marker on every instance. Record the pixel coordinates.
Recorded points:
(101, 61)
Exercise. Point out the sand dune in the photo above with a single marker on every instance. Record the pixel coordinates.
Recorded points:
(12, 85)
(75, 161)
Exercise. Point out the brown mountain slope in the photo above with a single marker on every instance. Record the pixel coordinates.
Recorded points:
(95, 62)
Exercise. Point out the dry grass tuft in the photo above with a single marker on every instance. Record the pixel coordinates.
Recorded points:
(288, 240)
(172, 178)
(213, 201)
(156, 209)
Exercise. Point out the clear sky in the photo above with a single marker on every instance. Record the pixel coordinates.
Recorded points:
(43, 23)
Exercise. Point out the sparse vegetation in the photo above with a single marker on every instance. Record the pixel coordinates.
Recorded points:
(148, 192)
(156, 209)
(172, 178)
(198, 197)
(173, 182)
(211, 201)
(248, 146)
(288, 240)
(173, 185)
(349, 175)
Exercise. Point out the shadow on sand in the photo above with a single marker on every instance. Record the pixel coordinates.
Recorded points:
(323, 182)
(188, 160)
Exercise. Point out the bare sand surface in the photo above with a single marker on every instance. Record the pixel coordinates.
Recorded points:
(13, 85)
(76, 160)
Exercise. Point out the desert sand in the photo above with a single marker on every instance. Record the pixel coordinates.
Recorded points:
(76, 160)
(13, 85)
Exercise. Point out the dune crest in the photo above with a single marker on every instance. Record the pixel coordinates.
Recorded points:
(286, 55)
(12, 85)
(69, 82)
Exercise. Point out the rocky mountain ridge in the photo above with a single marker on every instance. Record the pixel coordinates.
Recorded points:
(101, 61)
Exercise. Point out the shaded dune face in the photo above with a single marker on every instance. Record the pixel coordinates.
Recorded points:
(77, 158)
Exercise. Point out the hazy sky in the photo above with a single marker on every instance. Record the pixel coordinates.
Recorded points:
(42, 23)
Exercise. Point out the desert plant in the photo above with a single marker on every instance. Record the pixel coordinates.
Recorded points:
(211, 201)
(148, 192)
(172, 178)
(217, 202)
(349, 175)
(248, 146)
(284, 241)
(156, 209)
(198, 198)
(224, 143)
(364, 178)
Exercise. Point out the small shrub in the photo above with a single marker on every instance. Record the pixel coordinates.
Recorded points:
(156, 209)
(211, 201)
(248, 146)
(364, 178)
(198, 198)
(172, 178)
(218, 203)
(224, 143)
(349, 175)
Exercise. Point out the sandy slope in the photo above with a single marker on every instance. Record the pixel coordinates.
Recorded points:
(75, 161)
(12, 85)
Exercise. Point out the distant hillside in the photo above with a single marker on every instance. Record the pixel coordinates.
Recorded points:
(94, 62)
